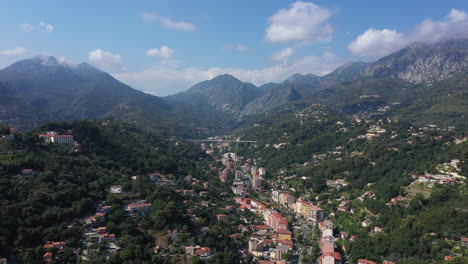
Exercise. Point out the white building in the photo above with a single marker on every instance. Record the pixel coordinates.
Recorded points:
(253, 170)
(262, 171)
(54, 138)
(116, 189)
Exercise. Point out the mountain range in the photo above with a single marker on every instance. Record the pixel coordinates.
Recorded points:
(414, 82)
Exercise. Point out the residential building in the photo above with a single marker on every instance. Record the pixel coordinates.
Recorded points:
(331, 258)
(464, 241)
(27, 173)
(257, 182)
(278, 252)
(52, 244)
(309, 211)
(102, 230)
(53, 137)
(277, 222)
(116, 189)
(253, 170)
(138, 208)
(275, 195)
(154, 176)
(256, 247)
(246, 167)
(262, 171)
(202, 252)
(284, 234)
(286, 199)
(106, 237)
(222, 218)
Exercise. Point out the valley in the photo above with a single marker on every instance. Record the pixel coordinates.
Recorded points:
(366, 164)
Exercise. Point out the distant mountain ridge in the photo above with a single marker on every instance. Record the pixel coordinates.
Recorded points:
(423, 63)
(43, 89)
(46, 89)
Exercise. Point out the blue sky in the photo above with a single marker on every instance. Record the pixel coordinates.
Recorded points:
(163, 47)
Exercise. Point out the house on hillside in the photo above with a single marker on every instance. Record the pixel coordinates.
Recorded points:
(57, 245)
(464, 241)
(116, 189)
(52, 137)
(203, 252)
(27, 173)
(138, 208)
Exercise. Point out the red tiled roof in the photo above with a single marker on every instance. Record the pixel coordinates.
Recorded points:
(335, 255)
(366, 261)
(138, 205)
(51, 244)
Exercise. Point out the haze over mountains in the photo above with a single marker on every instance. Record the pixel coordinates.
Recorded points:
(44, 89)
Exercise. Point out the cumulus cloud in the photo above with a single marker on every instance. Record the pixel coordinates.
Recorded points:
(303, 22)
(168, 23)
(17, 51)
(283, 55)
(46, 27)
(163, 52)
(375, 43)
(163, 80)
(106, 60)
(26, 27)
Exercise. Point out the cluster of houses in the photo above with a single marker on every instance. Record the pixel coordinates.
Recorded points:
(271, 240)
(250, 176)
(437, 178)
(52, 245)
(99, 216)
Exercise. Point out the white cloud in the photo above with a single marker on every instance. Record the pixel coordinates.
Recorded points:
(168, 23)
(26, 27)
(106, 60)
(17, 51)
(456, 15)
(236, 47)
(46, 27)
(303, 22)
(376, 43)
(163, 80)
(283, 55)
(163, 52)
